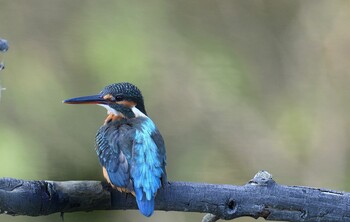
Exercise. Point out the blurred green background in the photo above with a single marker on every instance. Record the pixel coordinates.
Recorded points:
(234, 86)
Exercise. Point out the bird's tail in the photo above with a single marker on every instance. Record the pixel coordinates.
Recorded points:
(146, 207)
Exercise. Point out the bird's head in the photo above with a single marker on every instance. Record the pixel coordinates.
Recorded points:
(119, 98)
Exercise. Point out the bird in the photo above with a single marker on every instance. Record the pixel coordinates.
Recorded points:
(129, 146)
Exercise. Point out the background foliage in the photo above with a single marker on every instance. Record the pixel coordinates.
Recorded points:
(234, 87)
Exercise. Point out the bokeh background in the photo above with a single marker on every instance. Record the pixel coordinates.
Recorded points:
(234, 86)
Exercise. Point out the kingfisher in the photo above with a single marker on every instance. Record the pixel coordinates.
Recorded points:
(129, 146)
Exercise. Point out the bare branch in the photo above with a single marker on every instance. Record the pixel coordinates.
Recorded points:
(261, 197)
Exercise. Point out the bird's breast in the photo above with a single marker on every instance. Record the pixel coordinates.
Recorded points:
(112, 117)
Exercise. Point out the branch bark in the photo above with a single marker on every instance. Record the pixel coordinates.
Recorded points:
(260, 197)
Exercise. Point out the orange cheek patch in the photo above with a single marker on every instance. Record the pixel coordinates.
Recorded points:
(127, 103)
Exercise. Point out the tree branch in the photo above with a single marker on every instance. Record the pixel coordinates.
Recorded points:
(261, 197)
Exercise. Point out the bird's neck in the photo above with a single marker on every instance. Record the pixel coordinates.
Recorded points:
(141, 107)
(137, 112)
(114, 115)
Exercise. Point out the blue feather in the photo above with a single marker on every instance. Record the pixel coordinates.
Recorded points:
(147, 167)
(146, 206)
(117, 178)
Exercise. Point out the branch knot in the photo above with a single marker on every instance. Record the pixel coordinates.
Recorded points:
(262, 178)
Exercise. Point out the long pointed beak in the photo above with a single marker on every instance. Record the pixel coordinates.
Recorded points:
(94, 99)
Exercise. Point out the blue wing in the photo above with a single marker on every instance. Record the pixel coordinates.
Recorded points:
(114, 152)
(158, 139)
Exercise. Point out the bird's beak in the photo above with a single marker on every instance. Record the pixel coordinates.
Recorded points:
(95, 99)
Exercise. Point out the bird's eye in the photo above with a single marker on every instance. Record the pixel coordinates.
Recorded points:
(119, 98)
